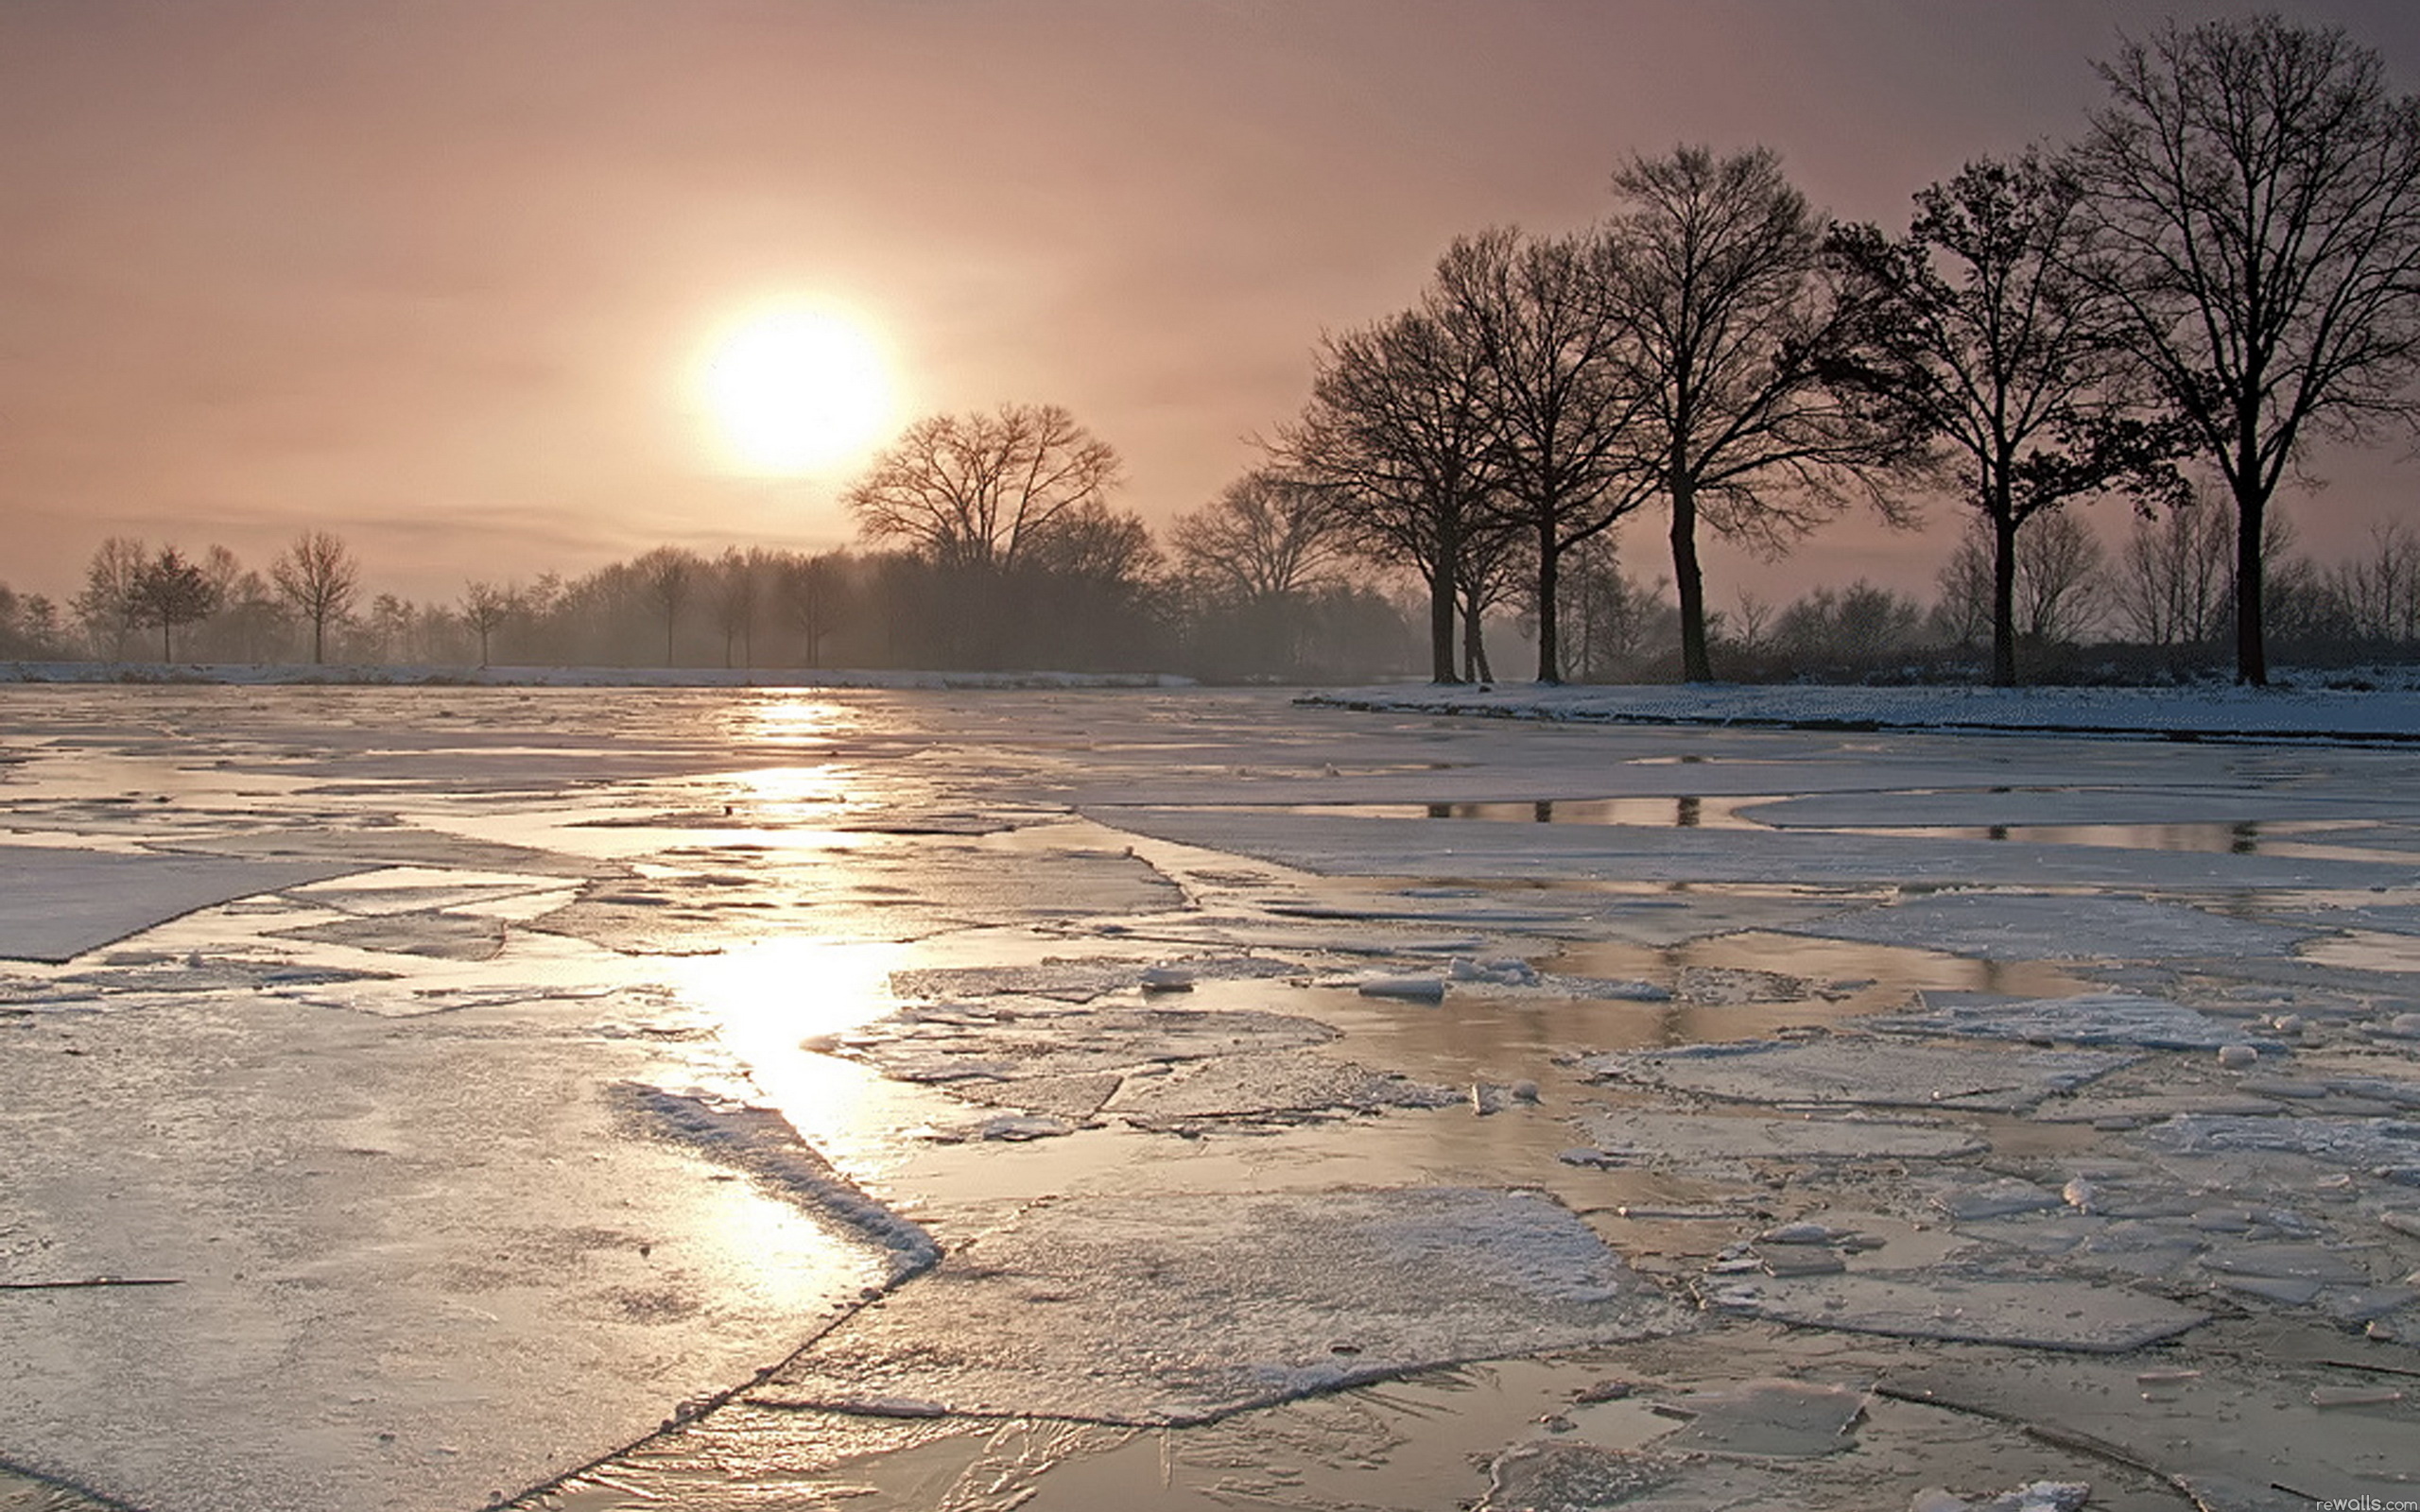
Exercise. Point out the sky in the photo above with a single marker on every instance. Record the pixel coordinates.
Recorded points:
(441, 275)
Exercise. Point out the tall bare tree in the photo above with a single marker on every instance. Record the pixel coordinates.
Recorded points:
(319, 577)
(1562, 396)
(1397, 436)
(1992, 343)
(2255, 197)
(1719, 273)
(980, 490)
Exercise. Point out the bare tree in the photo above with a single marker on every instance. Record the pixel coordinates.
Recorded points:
(1397, 436)
(107, 606)
(1995, 344)
(486, 607)
(2381, 591)
(980, 490)
(811, 590)
(2254, 197)
(667, 576)
(738, 584)
(1266, 535)
(1562, 399)
(2173, 576)
(317, 575)
(169, 591)
(1719, 274)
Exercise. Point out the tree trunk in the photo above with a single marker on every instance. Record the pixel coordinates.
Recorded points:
(168, 652)
(2251, 650)
(2003, 600)
(1441, 623)
(1686, 578)
(1549, 574)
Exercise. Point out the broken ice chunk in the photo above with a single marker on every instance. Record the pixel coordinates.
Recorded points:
(1185, 1308)
(1864, 1069)
(1771, 1419)
(1997, 1199)
(2040, 1496)
(1408, 989)
(1504, 970)
(2026, 1312)
(1547, 1473)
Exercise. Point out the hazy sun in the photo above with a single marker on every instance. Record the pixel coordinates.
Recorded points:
(798, 388)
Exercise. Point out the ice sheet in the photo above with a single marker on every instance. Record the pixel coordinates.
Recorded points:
(1860, 1070)
(2011, 926)
(1690, 1137)
(2029, 1311)
(411, 1270)
(1176, 1309)
(2089, 1018)
(1445, 849)
(57, 904)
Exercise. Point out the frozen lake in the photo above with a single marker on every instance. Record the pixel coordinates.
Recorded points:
(595, 1099)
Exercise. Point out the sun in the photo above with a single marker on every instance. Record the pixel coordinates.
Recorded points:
(798, 389)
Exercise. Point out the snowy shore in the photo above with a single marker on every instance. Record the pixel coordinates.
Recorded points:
(2371, 704)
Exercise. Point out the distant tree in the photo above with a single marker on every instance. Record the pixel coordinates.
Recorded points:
(2174, 575)
(318, 574)
(2254, 197)
(1852, 628)
(812, 591)
(486, 609)
(2059, 589)
(28, 625)
(1991, 342)
(1266, 535)
(738, 583)
(1397, 436)
(1496, 568)
(171, 592)
(668, 576)
(982, 490)
(108, 605)
(2381, 591)
(1561, 397)
(1718, 275)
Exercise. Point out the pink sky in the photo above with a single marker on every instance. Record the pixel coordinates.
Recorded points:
(432, 274)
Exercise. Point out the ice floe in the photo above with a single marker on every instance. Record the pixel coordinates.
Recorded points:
(2004, 926)
(2034, 1313)
(1178, 1308)
(1632, 1134)
(2088, 1019)
(57, 904)
(1859, 1070)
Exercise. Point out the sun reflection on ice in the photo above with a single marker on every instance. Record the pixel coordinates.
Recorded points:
(771, 999)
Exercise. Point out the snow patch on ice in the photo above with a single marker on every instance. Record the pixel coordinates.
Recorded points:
(762, 1143)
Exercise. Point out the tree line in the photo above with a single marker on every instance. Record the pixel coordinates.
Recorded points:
(1264, 583)
(2222, 269)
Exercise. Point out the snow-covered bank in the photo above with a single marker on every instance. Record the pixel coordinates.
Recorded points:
(2370, 707)
(291, 674)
